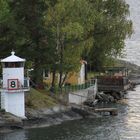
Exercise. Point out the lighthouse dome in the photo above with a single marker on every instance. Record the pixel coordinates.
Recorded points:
(13, 58)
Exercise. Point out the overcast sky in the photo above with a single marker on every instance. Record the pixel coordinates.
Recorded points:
(132, 49)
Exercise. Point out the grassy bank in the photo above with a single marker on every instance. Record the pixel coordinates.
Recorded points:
(37, 99)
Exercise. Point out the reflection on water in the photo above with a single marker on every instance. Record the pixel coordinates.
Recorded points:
(18, 135)
(125, 126)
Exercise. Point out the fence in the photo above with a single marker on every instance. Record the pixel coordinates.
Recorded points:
(73, 88)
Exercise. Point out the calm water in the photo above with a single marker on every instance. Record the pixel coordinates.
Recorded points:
(125, 126)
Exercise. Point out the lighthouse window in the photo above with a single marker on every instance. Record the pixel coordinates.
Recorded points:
(13, 64)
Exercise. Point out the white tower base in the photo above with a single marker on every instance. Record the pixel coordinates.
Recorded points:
(13, 103)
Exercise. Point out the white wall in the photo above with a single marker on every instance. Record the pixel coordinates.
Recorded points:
(13, 100)
(80, 96)
(16, 104)
(81, 79)
(77, 98)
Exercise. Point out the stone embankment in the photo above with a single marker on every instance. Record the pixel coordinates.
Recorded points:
(37, 118)
(110, 96)
(42, 118)
(114, 96)
(9, 122)
(47, 117)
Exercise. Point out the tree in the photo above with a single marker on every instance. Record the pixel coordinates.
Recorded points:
(110, 31)
(7, 28)
(54, 34)
(30, 39)
(67, 22)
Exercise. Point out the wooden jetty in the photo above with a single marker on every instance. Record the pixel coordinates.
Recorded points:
(112, 111)
(86, 110)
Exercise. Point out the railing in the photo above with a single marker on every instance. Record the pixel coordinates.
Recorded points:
(26, 83)
(24, 87)
(73, 88)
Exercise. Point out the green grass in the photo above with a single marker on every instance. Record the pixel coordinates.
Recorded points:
(39, 99)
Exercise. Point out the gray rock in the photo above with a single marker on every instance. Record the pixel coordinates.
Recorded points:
(111, 98)
(104, 96)
(115, 95)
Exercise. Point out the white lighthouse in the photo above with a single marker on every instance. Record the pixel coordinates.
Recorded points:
(13, 85)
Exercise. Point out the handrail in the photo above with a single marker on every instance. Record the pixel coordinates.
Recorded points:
(78, 95)
(74, 88)
(23, 86)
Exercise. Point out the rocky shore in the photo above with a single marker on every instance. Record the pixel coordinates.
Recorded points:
(39, 118)
(47, 117)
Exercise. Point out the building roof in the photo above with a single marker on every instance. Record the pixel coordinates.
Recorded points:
(13, 58)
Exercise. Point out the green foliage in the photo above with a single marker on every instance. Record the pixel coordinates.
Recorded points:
(110, 30)
(54, 34)
(68, 22)
(4, 11)
(7, 28)
(30, 38)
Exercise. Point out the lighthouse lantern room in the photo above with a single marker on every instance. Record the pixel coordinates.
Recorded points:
(13, 85)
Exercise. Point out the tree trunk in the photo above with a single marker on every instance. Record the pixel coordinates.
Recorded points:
(65, 77)
(53, 81)
(37, 75)
(61, 62)
(62, 81)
